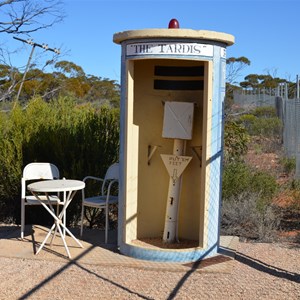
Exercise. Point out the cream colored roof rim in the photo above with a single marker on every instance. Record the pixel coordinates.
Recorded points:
(226, 38)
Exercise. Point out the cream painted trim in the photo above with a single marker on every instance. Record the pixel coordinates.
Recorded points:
(226, 38)
(130, 200)
(206, 153)
(132, 184)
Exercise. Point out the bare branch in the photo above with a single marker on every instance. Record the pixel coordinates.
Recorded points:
(234, 67)
(2, 3)
(26, 16)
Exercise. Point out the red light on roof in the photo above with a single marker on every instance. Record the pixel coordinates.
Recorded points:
(173, 24)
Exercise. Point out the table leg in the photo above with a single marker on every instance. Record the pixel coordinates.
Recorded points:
(64, 241)
(53, 236)
(68, 200)
(71, 235)
(58, 222)
(45, 240)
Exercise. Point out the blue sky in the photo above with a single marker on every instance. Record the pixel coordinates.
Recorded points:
(266, 32)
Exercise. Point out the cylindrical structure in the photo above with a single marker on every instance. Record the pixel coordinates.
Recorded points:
(164, 66)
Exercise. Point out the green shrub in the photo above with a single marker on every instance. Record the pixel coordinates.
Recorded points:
(236, 141)
(80, 140)
(247, 121)
(265, 111)
(236, 179)
(269, 127)
(295, 185)
(265, 186)
(289, 164)
(247, 202)
(262, 121)
(239, 178)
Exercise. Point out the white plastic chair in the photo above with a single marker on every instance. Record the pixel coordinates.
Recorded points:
(37, 171)
(105, 198)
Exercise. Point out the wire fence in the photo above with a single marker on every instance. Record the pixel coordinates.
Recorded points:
(260, 96)
(288, 110)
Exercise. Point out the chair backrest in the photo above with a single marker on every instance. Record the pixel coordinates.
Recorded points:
(34, 171)
(112, 174)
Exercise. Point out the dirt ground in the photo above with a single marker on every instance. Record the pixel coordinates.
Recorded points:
(261, 271)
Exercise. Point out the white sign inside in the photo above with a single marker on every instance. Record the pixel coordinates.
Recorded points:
(169, 49)
(175, 164)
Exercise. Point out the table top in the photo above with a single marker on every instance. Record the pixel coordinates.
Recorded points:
(57, 185)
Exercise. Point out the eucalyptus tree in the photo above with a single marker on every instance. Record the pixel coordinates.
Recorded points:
(261, 81)
(21, 18)
(234, 67)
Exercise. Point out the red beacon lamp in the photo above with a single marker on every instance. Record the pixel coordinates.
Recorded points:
(173, 24)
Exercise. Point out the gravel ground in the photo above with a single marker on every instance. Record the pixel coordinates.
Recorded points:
(260, 271)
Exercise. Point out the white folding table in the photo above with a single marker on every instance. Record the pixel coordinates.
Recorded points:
(68, 187)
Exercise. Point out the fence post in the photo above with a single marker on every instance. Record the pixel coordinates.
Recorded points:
(297, 87)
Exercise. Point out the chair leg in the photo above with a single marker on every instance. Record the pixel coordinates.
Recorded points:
(106, 224)
(64, 217)
(22, 218)
(81, 225)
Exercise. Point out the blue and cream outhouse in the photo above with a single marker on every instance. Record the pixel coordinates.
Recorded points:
(172, 103)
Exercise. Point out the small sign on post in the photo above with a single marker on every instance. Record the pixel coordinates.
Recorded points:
(175, 165)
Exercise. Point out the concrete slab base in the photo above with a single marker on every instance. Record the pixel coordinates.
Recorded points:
(97, 253)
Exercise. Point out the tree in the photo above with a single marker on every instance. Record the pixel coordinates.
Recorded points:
(26, 16)
(69, 68)
(23, 17)
(68, 78)
(255, 81)
(234, 68)
(8, 81)
(105, 90)
(88, 88)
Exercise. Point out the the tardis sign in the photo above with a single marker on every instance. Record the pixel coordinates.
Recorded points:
(167, 48)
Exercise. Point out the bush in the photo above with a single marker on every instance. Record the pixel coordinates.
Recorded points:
(240, 217)
(265, 186)
(247, 121)
(236, 179)
(80, 140)
(239, 178)
(236, 141)
(247, 202)
(265, 112)
(289, 164)
(268, 127)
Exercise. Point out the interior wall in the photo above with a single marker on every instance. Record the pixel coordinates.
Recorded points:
(153, 179)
